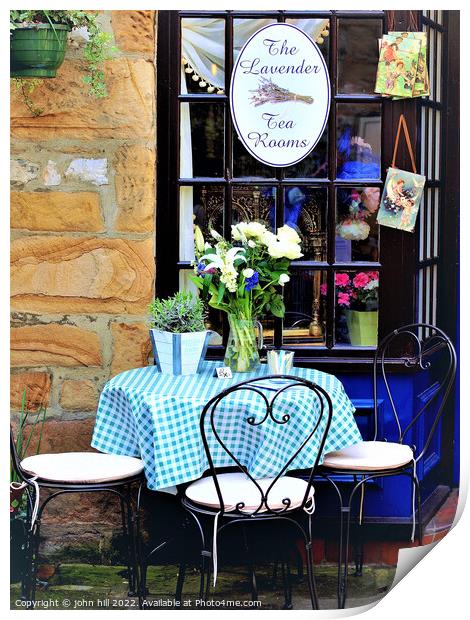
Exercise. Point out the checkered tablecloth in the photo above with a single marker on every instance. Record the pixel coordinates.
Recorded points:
(145, 413)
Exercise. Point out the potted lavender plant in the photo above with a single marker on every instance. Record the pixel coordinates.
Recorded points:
(179, 337)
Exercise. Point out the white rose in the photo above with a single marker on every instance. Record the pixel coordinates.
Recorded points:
(248, 272)
(283, 279)
(238, 233)
(268, 238)
(287, 233)
(283, 249)
(255, 230)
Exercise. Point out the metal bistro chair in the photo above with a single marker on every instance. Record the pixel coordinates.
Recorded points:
(75, 472)
(427, 348)
(220, 499)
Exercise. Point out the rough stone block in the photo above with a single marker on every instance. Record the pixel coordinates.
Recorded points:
(52, 344)
(134, 31)
(38, 388)
(89, 170)
(78, 395)
(22, 171)
(131, 346)
(51, 175)
(64, 436)
(60, 274)
(135, 188)
(69, 112)
(57, 211)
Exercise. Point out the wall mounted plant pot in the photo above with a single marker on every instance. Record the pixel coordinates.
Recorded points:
(362, 327)
(179, 354)
(37, 51)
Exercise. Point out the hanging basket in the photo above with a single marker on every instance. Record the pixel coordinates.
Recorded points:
(37, 51)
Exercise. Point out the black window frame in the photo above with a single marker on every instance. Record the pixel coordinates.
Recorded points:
(398, 250)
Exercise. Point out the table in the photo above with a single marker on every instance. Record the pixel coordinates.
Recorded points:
(145, 413)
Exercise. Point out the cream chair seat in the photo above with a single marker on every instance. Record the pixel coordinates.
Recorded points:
(370, 456)
(237, 487)
(82, 467)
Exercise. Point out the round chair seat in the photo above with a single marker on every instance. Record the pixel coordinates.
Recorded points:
(369, 456)
(237, 487)
(82, 467)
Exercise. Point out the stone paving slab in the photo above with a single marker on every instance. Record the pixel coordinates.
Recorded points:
(81, 586)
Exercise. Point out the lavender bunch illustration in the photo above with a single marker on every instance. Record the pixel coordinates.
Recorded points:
(269, 92)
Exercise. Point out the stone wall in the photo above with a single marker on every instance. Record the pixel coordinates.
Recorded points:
(82, 219)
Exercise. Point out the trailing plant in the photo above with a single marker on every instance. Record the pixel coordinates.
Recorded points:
(97, 49)
(179, 314)
(23, 441)
(27, 87)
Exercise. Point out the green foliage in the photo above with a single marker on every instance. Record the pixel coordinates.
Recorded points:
(96, 51)
(24, 438)
(26, 87)
(179, 314)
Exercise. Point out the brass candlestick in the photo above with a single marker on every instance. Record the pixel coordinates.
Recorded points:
(315, 328)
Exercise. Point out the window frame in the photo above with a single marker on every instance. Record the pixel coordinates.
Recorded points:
(398, 250)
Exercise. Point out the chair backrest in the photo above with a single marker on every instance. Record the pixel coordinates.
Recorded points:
(245, 409)
(426, 349)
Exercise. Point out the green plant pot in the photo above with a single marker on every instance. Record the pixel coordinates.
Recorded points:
(38, 51)
(362, 327)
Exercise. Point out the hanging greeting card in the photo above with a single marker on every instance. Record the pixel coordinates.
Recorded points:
(403, 190)
(398, 65)
(421, 84)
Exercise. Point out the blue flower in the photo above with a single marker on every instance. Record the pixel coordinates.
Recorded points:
(250, 283)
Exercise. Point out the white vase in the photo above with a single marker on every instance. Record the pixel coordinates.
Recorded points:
(179, 354)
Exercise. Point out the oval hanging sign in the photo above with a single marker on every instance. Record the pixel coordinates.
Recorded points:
(280, 95)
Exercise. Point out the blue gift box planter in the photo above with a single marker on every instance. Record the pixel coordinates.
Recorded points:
(179, 354)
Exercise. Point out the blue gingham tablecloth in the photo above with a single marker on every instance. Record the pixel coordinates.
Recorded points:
(144, 413)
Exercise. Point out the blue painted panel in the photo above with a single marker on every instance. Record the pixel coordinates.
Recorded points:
(392, 497)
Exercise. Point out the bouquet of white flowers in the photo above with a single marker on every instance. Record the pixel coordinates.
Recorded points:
(241, 277)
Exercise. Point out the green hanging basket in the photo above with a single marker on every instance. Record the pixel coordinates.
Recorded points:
(37, 51)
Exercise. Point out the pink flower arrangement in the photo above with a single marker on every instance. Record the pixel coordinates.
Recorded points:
(358, 293)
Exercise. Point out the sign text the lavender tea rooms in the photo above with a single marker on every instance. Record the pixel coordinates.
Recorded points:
(280, 95)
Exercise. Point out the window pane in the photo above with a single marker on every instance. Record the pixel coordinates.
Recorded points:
(243, 29)
(202, 149)
(359, 134)
(356, 308)
(305, 210)
(358, 55)
(245, 165)
(357, 231)
(254, 202)
(318, 30)
(304, 321)
(314, 165)
(201, 205)
(202, 55)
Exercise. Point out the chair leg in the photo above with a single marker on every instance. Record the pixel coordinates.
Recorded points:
(251, 566)
(285, 570)
(130, 535)
(36, 539)
(26, 579)
(206, 560)
(419, 523)
(126, 539)
(312, 586)
(180, 580)
(345, 524)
